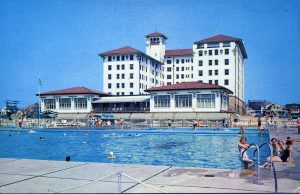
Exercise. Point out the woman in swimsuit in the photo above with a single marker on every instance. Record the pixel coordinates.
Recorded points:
(242, 146)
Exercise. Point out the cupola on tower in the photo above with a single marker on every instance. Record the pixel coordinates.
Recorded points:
(155, 46)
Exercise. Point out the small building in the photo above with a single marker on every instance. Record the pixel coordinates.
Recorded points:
(189, 97)
(76, 100)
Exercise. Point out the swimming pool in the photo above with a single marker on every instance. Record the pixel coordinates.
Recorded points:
(179, 147)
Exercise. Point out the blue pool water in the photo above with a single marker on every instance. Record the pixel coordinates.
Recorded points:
(205, 148)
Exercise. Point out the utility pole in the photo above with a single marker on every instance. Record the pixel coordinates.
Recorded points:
(40, 84)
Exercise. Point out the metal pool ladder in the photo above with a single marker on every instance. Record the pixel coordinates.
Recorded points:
(258, 161)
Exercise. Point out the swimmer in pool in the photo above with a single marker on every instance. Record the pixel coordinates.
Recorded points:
(111, 155)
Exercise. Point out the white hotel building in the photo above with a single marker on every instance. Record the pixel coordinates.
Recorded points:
(217, 60)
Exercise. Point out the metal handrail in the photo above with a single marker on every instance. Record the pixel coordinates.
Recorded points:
(270, 148)
(272, 164)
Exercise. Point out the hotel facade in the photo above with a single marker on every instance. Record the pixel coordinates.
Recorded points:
(216, 60)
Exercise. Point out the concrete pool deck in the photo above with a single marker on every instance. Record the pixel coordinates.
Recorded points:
(43, 176)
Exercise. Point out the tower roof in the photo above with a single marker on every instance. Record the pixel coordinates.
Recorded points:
(156, 34)
(223, 38)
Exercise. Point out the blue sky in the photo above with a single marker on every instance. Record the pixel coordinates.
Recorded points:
(58, 41)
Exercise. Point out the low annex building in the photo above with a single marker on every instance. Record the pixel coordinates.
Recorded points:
(189, 97)
(74, 100)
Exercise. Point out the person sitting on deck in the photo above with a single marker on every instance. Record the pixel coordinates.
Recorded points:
(275, 146)
(286, 154)
(242, 146)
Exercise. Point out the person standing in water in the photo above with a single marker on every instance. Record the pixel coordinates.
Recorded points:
(169, 124)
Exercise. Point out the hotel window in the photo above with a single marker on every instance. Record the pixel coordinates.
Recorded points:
(216, 72)
(226, 71)
(210, 81)
(226, 51)
(169, 61)
(80, 103)
(177, 61)
(182, 60)
(169, 77)
(123, 67)
(210, 62)
(118, 58)
(216, 82)
(118, 76)
(205, 100)
(182, 68)
(123, 76)
(201, 53)
(123, 85)
(118, 85)
(216, 62)
(49, 104)
(118, 67)
(169, 69)
(183, 100)
(131, 57)
(161, 101)
(131, 75)
(192, 60)
(213, 45)
(210, 52)
(200, 63)
(168, 83)
(118, 93)
(226, 44)
(182, 76)
(123, 58)
(109, 67)
(200, 73)
(216, 51)
(109, 76)
(226, 61)
(109, 86)
(210, 72)
(109, 58)
(131, 66)
(131, 85)
(123, 93)
(226, 82)
(65, 103)
(177, 76)
(224, 101)
(177, 68)
(201, 45)
(131, 93)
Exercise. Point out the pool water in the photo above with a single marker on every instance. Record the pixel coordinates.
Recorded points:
(205, 149)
